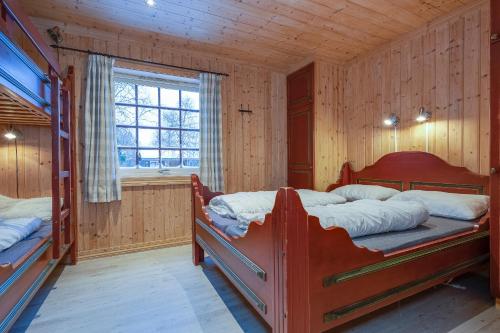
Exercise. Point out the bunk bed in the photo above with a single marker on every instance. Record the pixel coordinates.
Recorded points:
(301, 277)
(34, 93)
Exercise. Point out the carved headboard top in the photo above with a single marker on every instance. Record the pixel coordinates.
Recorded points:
(415, 171)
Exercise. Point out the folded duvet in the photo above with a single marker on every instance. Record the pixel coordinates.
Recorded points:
(360, 218)
(15, 230)
(231, 205)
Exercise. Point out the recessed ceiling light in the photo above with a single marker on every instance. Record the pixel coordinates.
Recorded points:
(151, 3)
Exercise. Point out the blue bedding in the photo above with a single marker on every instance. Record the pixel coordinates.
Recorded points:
(18, 250)
(433, 228)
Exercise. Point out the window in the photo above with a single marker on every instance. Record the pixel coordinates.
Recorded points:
(157, 121)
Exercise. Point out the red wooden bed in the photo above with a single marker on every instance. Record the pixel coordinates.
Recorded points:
(303, 278)
(29, 96)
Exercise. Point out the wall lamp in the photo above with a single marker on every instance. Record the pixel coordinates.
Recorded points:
(12, 134)
(393, 120)
(423, 115)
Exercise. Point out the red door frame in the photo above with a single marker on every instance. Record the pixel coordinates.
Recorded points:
(495, 150)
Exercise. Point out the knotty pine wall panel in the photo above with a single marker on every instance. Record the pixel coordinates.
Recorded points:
(33, 161)
(443, 67)
(254, 144)
(329, 138)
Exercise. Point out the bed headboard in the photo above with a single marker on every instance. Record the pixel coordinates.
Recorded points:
(415, 171)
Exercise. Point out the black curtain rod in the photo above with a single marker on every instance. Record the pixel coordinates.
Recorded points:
(135, 60)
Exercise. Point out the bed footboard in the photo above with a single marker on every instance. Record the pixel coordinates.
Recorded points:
(328, 280)
(248, 262)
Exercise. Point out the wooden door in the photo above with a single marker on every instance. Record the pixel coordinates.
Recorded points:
(300, 103)
(495, 150)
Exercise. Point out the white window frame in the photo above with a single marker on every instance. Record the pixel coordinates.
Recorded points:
(162, 81)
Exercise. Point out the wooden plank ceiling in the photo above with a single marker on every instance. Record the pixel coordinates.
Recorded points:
(277, 32)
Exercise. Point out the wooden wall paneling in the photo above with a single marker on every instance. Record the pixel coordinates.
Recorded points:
(442, 90)
(404, 139)
(429, 84)
(376, 107)
(255, 154)
(115, 226)
(329, 123)
(455, 114)
(386, 103)
(416, 132)
(102, 229)
(127, 217)
(33, 159)
(484, 117)
(278, 127)
(148, 211)
(395, 79)
(137, 213)
(443, 67)
(472, 62)
(368, 92)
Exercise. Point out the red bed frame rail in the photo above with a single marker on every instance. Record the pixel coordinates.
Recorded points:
(302, 278)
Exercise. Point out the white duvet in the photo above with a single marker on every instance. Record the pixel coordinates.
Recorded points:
(360, 218)
(231, 205)
(14, 230)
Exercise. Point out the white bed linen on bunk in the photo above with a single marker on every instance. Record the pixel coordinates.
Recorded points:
(360, 218)
(15, 230)
(26, 208)
(230, 205)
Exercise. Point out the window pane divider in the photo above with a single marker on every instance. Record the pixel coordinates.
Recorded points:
(159, 129)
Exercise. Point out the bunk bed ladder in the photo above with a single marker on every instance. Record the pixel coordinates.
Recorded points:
(61, 166)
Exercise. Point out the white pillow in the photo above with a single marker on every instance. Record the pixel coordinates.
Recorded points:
(26, 208)
(450, 205)
(358, 192)
(5, 202)
(311, 198)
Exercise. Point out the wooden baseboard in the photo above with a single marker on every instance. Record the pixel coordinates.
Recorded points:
(108, 252)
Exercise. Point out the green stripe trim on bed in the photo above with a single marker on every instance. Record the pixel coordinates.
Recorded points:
(25, 299)
(251, 296)
(356, 273)
(243, 258)
(24, 267)
(378, 181)
(347, 310)
(478, 188)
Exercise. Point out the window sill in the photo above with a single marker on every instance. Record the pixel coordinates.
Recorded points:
(142, 177)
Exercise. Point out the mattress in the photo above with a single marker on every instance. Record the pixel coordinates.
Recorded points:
(18, 250)
(432, 229)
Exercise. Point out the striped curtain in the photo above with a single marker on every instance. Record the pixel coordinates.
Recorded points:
(211, 169)
(102, 183)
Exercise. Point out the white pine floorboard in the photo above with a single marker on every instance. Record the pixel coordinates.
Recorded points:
(486, 322)
(161, 291)
(155, 291)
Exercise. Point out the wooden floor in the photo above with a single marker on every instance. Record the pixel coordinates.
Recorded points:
(161, 291)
